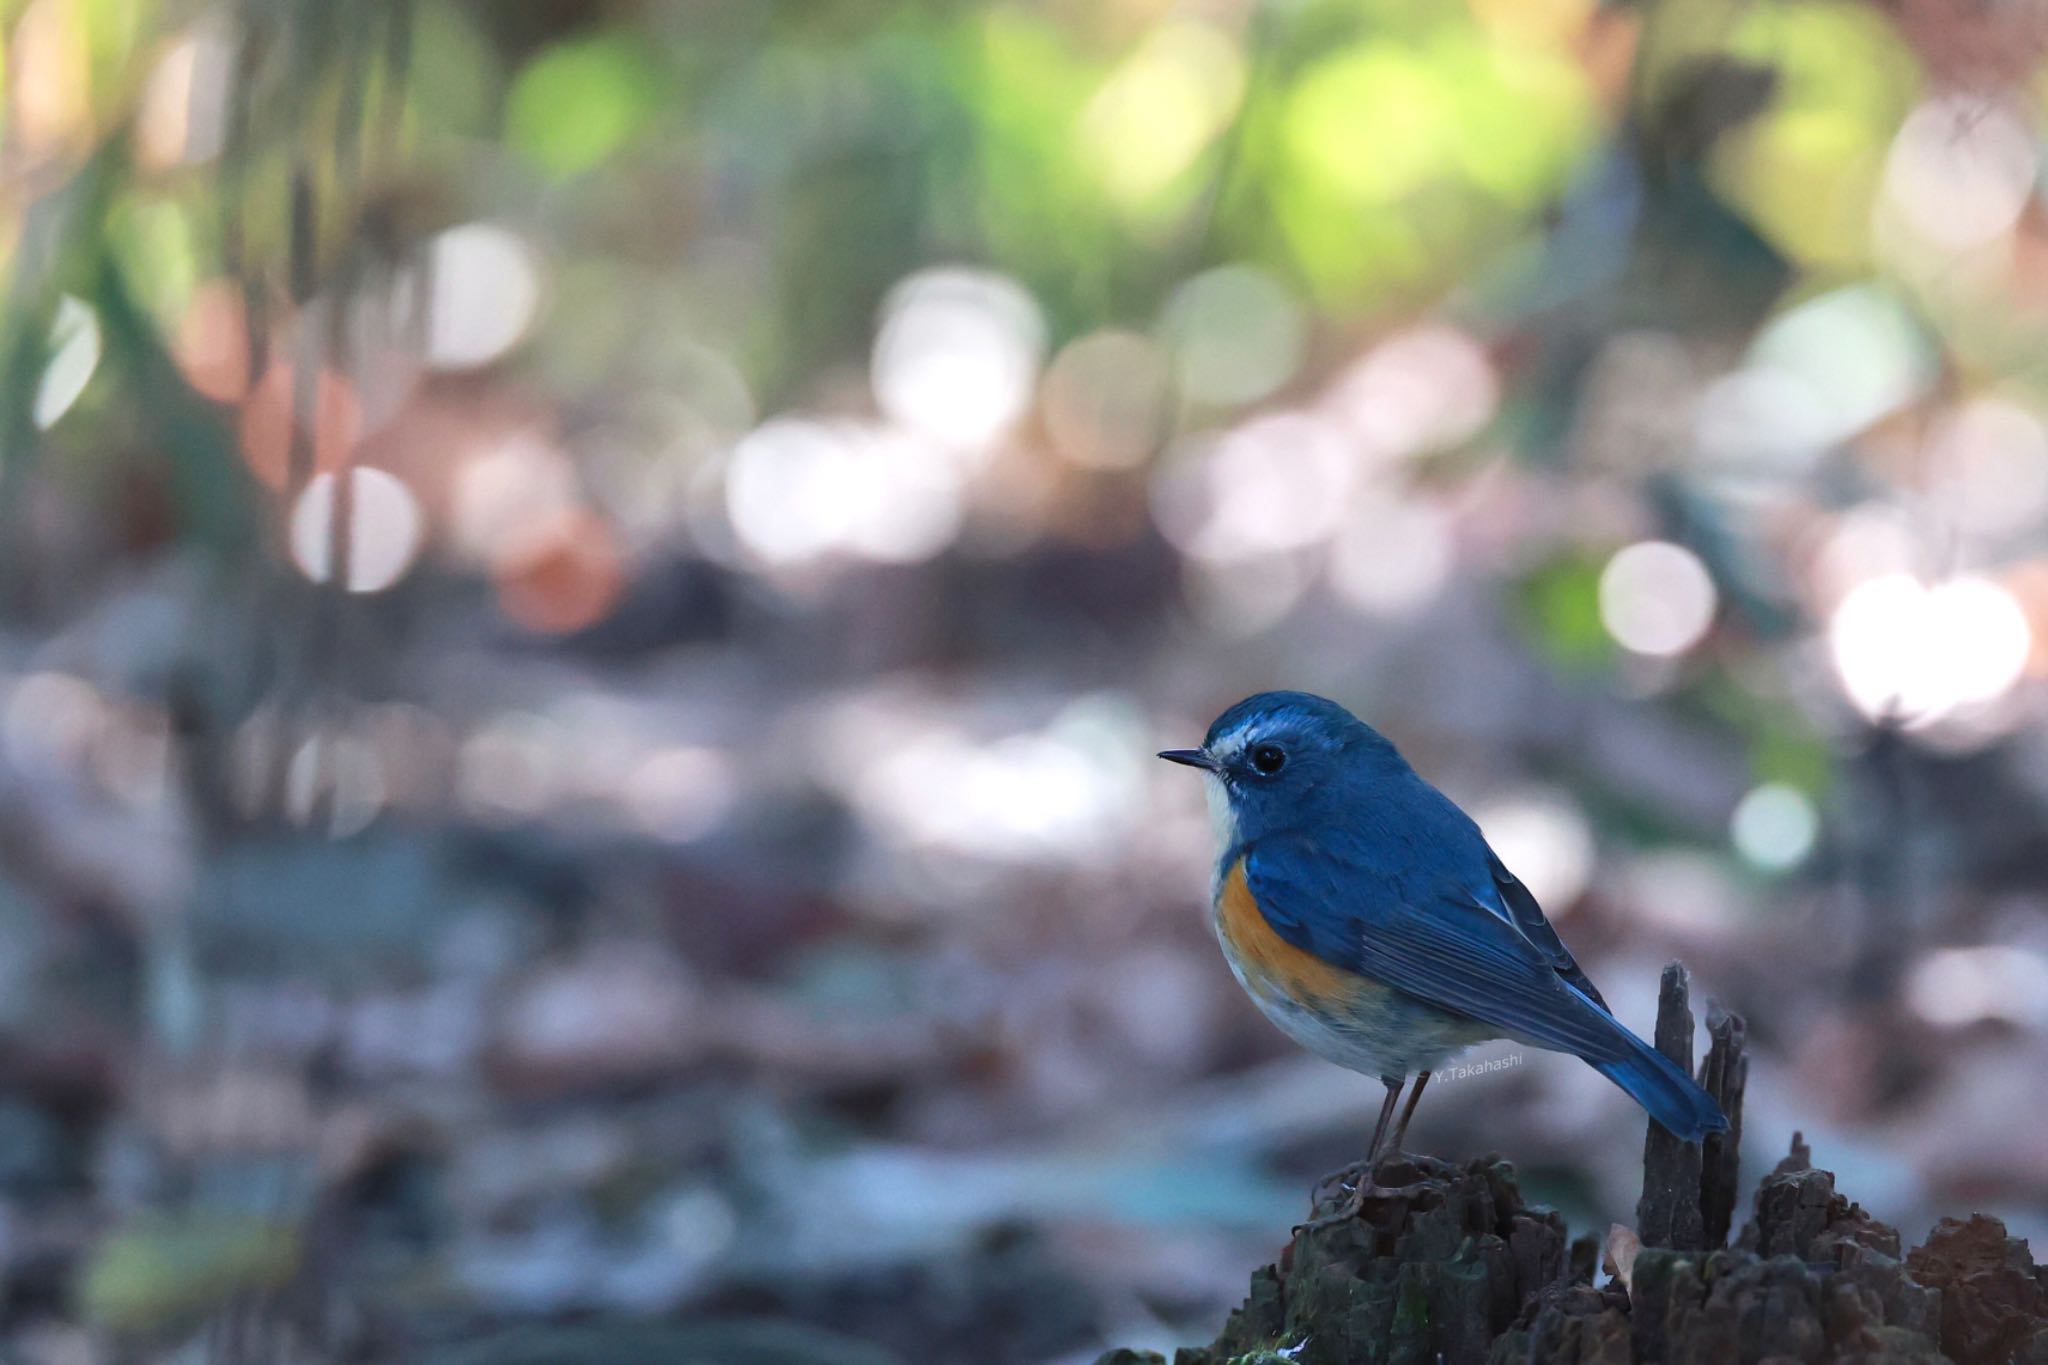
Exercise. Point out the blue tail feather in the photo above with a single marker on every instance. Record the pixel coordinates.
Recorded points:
(1655, 1082)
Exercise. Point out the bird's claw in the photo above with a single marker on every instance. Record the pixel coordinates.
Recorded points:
(1344, 1177)
(1357, 1174)
(1360, 1181)
(1357, 1180)
(1348, 1211)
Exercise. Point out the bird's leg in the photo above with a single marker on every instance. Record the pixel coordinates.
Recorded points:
(1408, 1110)
(1379, 1130)
(1357, 1177)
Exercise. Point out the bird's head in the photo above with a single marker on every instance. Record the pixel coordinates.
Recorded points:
(1281, 760)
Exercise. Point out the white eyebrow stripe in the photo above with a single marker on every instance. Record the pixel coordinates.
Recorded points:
(1229, 746)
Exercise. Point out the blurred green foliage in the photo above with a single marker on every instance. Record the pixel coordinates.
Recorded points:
(162, 1272)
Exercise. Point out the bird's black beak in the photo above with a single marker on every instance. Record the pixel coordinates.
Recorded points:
(1194, 758)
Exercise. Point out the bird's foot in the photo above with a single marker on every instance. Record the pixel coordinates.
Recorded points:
(1344, 1177)
(1349, 1177)
(1356, 1180)
(1360, 1183)
(1352, 1207)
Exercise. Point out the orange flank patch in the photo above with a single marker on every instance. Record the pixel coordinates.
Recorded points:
(1270, 961)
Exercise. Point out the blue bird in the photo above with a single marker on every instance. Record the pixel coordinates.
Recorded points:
(1365, 915)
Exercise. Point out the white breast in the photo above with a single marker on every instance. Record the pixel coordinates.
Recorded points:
(1223, 822)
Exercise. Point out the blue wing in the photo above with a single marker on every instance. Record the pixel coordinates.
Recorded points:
(1397, 910)
(1473, 951)
(1528, 917)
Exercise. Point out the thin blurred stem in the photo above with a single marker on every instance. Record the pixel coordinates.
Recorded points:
(306, 358)
(24, 358)
(389, 122)
(234, 158)
(1892, 883)
(1199, 236)
(332, 621)
(348, 117)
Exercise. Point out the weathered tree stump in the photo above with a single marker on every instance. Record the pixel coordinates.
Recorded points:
(1724, 1075)
(1668, 1214)
(1448, 1263)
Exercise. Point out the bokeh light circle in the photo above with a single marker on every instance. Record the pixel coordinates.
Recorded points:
(1657, 598)
(1236, 335)
(384, 529)
(1913, 653)
(485, 283)
(956, 356)
(1774, 826)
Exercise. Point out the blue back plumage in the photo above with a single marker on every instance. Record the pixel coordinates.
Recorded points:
(1353, 857)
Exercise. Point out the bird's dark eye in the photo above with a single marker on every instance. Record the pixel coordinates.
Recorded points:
(1268, 759)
